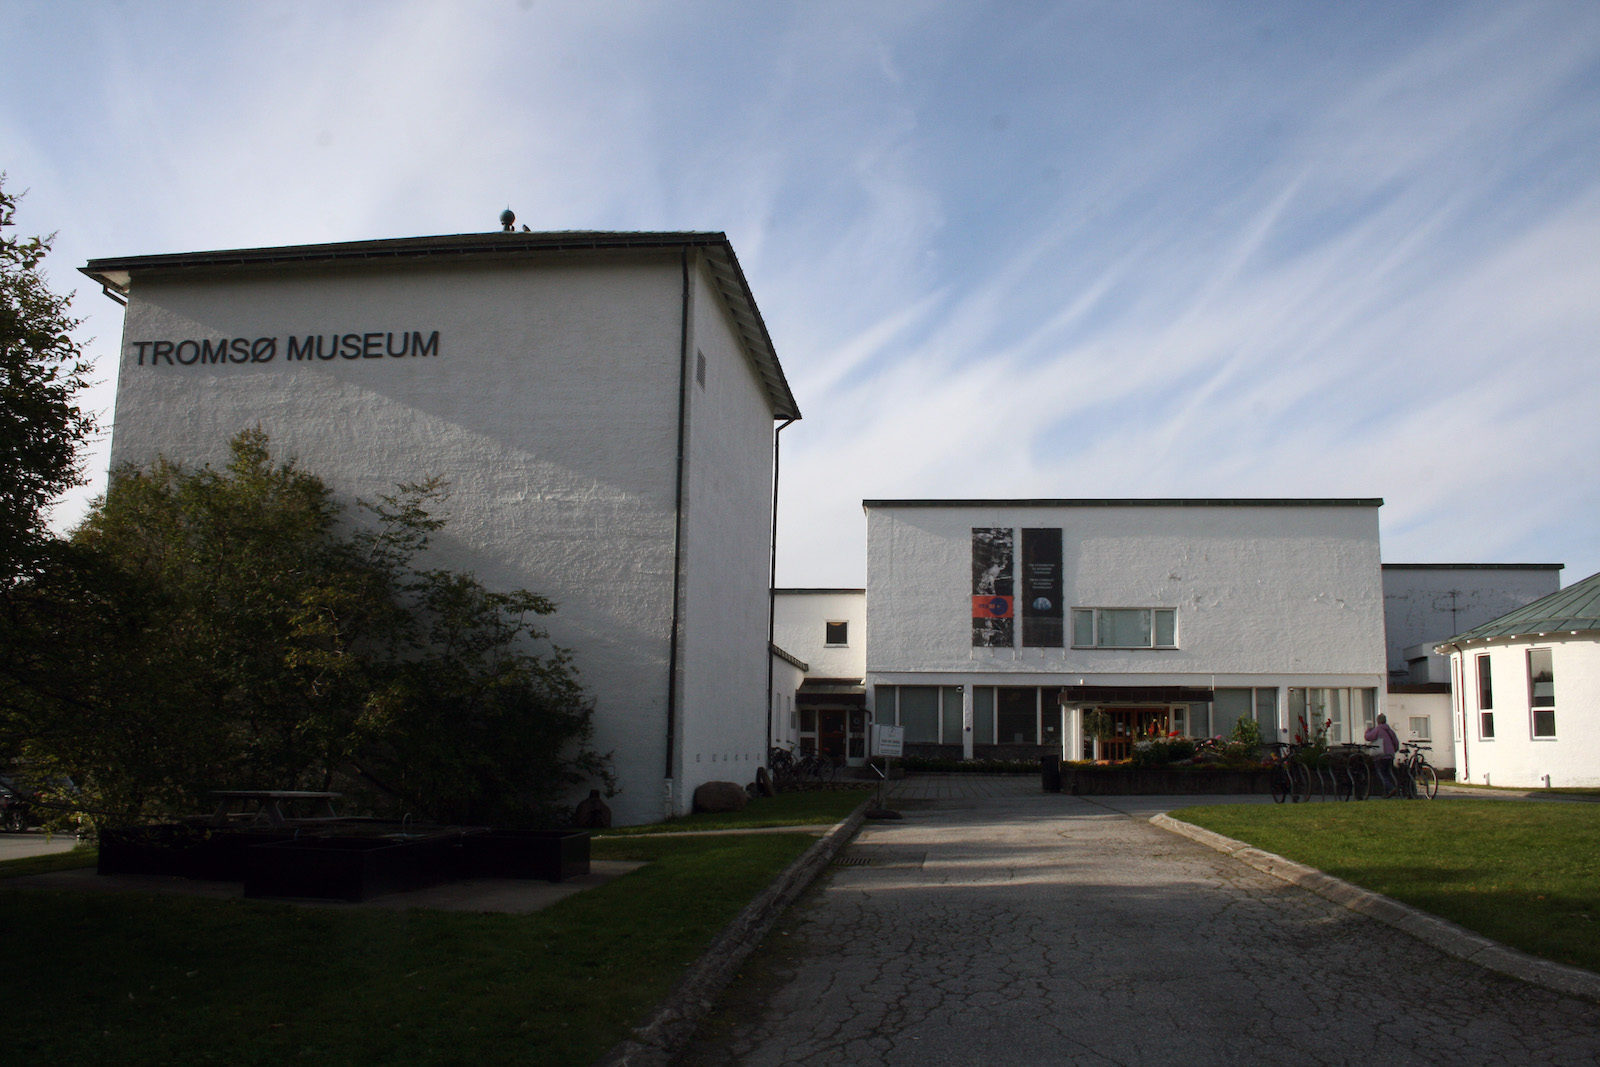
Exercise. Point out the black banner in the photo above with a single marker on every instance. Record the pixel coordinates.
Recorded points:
(993, 553)
(1041, 589)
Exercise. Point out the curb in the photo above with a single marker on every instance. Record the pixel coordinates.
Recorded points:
(675, 1019)
(1430, 929)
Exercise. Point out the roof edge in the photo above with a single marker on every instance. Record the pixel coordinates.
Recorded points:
(1153, 502)
(115, 275)
(813, 590)
(1475, 566)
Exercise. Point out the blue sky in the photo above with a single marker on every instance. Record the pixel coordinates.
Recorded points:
(1090, 249)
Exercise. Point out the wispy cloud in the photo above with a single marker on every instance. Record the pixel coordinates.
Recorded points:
(1055, 250)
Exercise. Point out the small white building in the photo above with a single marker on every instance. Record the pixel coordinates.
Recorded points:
(1527, 693)
(602, 406)
(1423, 603)
(993, 626)
(826, 713)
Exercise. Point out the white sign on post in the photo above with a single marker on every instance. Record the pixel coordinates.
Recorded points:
(887, 740)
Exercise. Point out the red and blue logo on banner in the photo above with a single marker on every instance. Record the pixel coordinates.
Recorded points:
(991, 607)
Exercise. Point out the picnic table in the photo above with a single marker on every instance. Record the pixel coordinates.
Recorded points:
(268, 806)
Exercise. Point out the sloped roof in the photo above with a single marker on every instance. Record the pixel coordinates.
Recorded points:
(116, 274)
(1575, 608)
(1134, 502)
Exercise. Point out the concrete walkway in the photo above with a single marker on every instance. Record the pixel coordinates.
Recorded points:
(998, 925)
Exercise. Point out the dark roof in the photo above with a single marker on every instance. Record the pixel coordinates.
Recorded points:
(117, 273)
(1371, 502)
(808, 591)
(1575, 608)
(792, 660)
(1473, 566)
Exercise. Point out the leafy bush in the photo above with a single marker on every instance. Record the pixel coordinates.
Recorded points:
(1160, 751)
(222, 629)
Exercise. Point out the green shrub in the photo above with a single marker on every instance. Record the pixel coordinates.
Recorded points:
(1160, 751)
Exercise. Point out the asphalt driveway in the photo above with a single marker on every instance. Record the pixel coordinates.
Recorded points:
(998, 925)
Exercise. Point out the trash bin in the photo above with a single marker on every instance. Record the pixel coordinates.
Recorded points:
(1050, 773)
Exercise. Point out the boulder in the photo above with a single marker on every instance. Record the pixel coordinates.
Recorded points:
(720, 796)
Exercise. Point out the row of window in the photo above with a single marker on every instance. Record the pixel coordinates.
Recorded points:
(1091, 628)
(1541, 694)
(1010, 715)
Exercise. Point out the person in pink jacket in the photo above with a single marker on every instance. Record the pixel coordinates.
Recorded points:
(1388, 745)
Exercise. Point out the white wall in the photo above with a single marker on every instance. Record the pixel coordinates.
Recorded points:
(1514, 757)
(727, 562)
(551, 408)
(1435, 708)
(800, 623)
(1260, 591)
(786, 679)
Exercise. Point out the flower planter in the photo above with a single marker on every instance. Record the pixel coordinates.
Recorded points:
(181, 850)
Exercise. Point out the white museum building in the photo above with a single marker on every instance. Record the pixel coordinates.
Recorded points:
(993, 626)
(1527, 693)
(603, 406)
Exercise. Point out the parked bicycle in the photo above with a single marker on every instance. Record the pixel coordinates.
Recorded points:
(1353, 770)
(1413, 772)
(1287, 776)
(791, 771)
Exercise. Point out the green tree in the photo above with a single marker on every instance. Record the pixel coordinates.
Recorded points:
(42, 372)
(232, 633)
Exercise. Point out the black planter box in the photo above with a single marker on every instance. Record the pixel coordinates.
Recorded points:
(554, 855)
(347, 868)
(181, 850)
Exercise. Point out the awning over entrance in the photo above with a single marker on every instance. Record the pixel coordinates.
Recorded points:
(832, 692)
(1135, 694)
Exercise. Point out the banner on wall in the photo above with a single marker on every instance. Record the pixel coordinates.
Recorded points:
(1041, 589)
(993, 553)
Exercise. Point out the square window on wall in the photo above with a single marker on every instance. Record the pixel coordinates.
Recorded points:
(836, 634)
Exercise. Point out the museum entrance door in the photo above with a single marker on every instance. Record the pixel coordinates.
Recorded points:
(831, 733)
(1130, 724)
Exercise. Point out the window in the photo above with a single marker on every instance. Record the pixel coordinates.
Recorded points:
(1542, 691)
(1018, 717)
(983, 715)
(1421, 728)
(919, 713)
(1124, 628)
(1267, 714)
(836, 634)
(1341, 714)
(1230, 706)
(923, 711)
(951, 714)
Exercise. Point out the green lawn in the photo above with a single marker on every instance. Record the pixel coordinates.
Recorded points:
(145, 979)
(1525, 874)
(810, 808)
